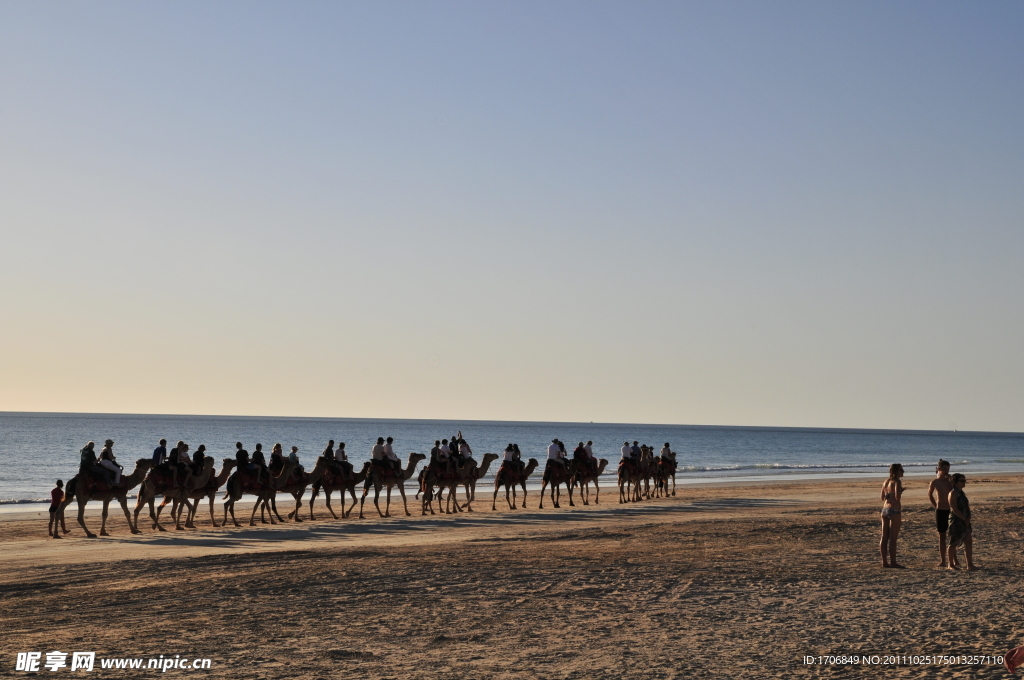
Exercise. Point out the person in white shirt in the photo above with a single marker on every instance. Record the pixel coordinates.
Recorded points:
(627, 452)
(555, 454)
(589, 448)
(377, 456)
(342, 459)
(108, 462)
(467, 453)
(389, 452)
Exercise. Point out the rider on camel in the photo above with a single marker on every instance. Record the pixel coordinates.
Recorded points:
(513, 458)
(180, 462)
(342, 459)
(377, 456)
(199, 461)
(389, 452)
(556, 453)
(89, 466)
(260, 461)
(245, 466)
(108, 461)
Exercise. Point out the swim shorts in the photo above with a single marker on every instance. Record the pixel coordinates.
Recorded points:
(942, 520)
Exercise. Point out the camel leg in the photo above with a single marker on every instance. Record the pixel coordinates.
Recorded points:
(405, 503)
(188, 507)
(597, 493)
(494, 500)
(298, 505)
(387, 498)
(81, 516)
(123, 501)
(543, 485)
(103, 515)
(273, 508)
(346, 514)
(362, 499)
(213, 518)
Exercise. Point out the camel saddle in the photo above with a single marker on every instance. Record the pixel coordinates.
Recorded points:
(440, 474)
(388, 472)
(629, 463)
(162, 479)
(94, 485)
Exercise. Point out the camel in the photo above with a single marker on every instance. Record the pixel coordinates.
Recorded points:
(85, 490)
(474, 474)
(334, 482)
(262, 491)
(157, 484)
(430, 479)
(666, 471)
(510, 477)
(629, 475)
(378, 480)
(648, 470)
(296, 486)
(209, 490)
(584, 477)
(556, 475)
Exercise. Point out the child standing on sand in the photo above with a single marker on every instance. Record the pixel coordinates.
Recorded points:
(56, 498)
(960, 530)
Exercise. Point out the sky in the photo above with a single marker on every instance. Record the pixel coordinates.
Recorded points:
(780, 214)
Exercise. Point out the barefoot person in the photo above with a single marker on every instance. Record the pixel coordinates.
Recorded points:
(56, 497)
(938, 494)
(960, 527)
(892, 490)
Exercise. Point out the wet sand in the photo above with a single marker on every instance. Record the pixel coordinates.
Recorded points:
(720, 581)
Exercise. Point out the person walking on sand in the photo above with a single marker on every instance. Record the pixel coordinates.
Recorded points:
(892, 490)
(938, 494)
(960, 530)
(56, 498)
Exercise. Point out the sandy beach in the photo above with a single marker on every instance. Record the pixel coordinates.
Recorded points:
(720, 581)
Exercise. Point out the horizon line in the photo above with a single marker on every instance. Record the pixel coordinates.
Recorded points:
(529, 422)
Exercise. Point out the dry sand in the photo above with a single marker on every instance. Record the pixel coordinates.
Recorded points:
(725, 581)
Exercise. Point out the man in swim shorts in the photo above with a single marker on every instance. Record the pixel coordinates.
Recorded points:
(938, 494)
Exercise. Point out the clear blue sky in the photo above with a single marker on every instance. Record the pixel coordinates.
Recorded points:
(764, 213)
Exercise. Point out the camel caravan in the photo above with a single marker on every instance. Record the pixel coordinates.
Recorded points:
(183, 480)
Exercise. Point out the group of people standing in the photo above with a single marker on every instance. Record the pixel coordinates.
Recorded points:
(952, 516)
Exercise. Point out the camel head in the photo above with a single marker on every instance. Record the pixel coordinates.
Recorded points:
(601, 465)
(531, 465)
(488, 459)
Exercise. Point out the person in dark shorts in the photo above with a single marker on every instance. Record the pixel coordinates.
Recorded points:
(938, 494)
(56, 498)
(960, 530)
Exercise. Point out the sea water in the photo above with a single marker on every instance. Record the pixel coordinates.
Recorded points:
(38, 448)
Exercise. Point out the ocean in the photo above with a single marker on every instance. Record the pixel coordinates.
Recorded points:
(38, 448)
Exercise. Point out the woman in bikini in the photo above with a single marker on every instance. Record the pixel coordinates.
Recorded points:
(960, 529)
(892, 490)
